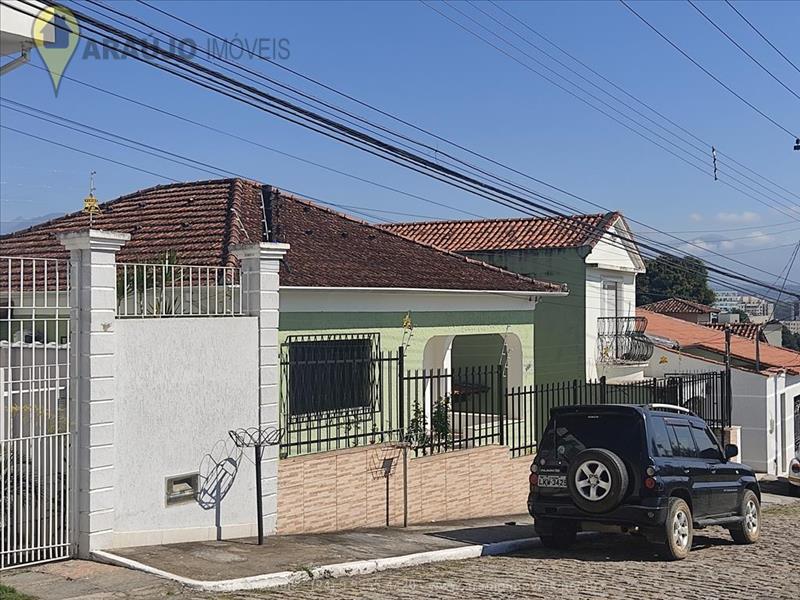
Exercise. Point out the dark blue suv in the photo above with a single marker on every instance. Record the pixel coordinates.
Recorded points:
(655, 470)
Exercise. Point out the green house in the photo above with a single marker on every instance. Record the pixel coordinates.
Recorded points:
(594, 331)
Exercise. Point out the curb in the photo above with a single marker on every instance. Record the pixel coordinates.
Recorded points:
(347, 569)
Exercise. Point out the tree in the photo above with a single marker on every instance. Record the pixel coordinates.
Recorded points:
(671, 276)
(790, 340)
(743, 316)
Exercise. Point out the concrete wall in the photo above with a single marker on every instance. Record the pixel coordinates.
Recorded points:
(753, 404)
(626, 307)
(335, 491)
(182, 383)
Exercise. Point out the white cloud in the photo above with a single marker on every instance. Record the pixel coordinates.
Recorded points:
(742, 217)
(757, 239)
(696, 217)
(714, 242)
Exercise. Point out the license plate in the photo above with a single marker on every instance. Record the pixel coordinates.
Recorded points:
(553, 481)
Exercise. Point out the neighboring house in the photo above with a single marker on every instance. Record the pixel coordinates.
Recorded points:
(592, 333)
(745, 330)
(341, 276)
(686, 310)
(770, 332)
(765, 385)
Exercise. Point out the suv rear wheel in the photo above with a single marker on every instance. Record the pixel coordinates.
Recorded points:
(749, 530)
(678, 529)
(597, 480)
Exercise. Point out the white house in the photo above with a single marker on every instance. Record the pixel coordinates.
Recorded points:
(766, 394)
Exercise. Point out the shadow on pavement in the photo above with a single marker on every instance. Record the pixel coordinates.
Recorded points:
(605, 547)
(779, 487)
(487, 535)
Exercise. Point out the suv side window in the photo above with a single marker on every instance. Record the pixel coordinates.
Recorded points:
(706, 444)
(682, 441)
(661, 442)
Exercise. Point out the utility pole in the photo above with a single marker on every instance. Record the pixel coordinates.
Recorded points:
(758, 348)
(728, 384)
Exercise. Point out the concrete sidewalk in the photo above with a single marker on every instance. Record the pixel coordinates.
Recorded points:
(242, 564)
(204, 569)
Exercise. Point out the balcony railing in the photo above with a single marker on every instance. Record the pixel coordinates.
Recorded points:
(622, 340)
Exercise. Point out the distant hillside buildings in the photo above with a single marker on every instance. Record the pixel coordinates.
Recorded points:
(758, 309)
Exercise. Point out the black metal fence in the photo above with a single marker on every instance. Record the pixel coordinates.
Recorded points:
(529, 407)
(342, 394)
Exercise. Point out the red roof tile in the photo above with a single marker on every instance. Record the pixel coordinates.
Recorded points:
(200, 221)
(673, 306)
(509, 234)
(690, 335)
(746, 330)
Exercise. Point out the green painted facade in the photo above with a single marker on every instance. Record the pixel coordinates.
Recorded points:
(469, 350)
(560, 332)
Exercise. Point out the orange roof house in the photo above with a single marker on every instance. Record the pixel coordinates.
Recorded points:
(710, 343)
(687, 310)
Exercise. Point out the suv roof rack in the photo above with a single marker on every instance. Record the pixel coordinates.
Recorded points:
(671, 407)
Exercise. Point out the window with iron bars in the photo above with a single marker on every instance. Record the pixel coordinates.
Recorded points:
(331, 374)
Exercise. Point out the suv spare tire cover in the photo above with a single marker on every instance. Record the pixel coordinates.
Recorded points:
(597, 480)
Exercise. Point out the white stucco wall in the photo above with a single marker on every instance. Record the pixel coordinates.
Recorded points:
(182, 384)
(626, 308)
(753, 405)
(611, 260)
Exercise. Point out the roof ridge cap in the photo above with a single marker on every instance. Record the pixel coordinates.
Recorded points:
(496, 219)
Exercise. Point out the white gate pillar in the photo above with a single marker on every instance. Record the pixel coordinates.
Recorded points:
(260, 283)
(93, 303)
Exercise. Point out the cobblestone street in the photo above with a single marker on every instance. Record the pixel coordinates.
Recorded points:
(604, 567)
(608, 566)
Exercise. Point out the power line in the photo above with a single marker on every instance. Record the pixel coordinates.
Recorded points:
(412, 162)
(763, 37)
(726, 229)
(706, 71)
(735, 43)
(704, 143)
(266, 147)
(703, 149)
(483, 188)
(764, 249)
(436, 150)
(173, 157)
(773, 204)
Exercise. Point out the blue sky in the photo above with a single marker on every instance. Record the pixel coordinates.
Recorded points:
(410, 61)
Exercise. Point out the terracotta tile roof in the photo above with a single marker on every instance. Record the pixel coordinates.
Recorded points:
(509, 234)
(201, 220)
(690, 335)
(746, 330)
(673, 306)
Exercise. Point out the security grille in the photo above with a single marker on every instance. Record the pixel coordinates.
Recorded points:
(35, 411)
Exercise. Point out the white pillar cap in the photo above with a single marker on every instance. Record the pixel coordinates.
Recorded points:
(263, 250)
(93, 239)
